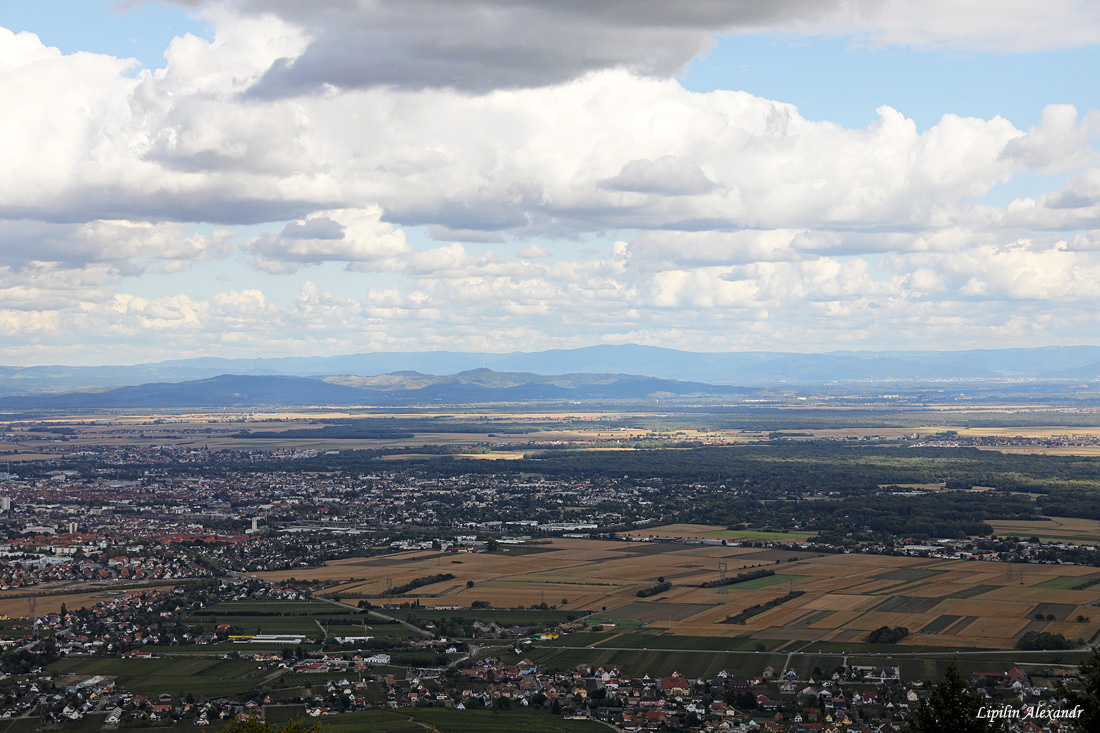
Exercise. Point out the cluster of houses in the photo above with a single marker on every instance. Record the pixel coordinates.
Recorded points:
(871, 699)
(84, 696)
(19, 569)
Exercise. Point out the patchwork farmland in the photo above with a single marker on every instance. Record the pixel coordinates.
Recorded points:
(836, 598)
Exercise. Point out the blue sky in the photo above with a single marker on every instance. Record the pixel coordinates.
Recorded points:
(844, 81)
(101, 26)
(419, 175)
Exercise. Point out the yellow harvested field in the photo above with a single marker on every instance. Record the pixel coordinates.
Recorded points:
(911, 621)
(1056, 528)
(994, 628)
(836, 602)
(781, 616)
(839, 619)
(16, 607)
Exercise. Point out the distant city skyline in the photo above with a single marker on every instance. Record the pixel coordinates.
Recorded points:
(250, 178)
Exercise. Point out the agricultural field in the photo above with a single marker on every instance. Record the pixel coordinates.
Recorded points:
(502, 617)
(707, 663)
(1054, 529)
(312, 619)
(946, 604)
(306, 429)
(46, 600)
(709, 532)
(151, 677)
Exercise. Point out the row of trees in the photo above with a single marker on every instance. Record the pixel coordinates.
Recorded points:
(887, 635)
(1038, 640)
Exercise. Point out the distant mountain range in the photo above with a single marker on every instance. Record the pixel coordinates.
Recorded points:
(405, 388)
(758, 368)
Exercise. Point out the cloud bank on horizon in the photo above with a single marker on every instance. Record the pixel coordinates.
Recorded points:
(496, 175)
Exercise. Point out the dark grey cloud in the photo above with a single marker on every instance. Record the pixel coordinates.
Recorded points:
(23, 241)
(217, 204)
(477, 46)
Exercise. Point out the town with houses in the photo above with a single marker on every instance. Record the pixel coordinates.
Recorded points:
(64, 526)
(166, 533)
(131, 625)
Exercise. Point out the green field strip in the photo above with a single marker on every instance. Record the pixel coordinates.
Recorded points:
(906, 604)
(1065, 582)
(973, 591)
(813, 618)
(275, 608)
(941, 623)
(767, 582)
(910, 575)
(508, 617)
(150, 677)
(644, 641)
(826, 655)
(632, 622)
(959, 625)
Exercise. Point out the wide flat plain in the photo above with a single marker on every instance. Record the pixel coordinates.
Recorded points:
(219, 429)
(844, 596)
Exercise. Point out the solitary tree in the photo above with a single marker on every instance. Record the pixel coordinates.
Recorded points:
(951, 707)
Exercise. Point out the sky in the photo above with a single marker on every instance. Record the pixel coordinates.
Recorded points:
(249, 178)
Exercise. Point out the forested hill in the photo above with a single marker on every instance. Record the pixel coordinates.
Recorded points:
(743, 368)
(475, 386)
